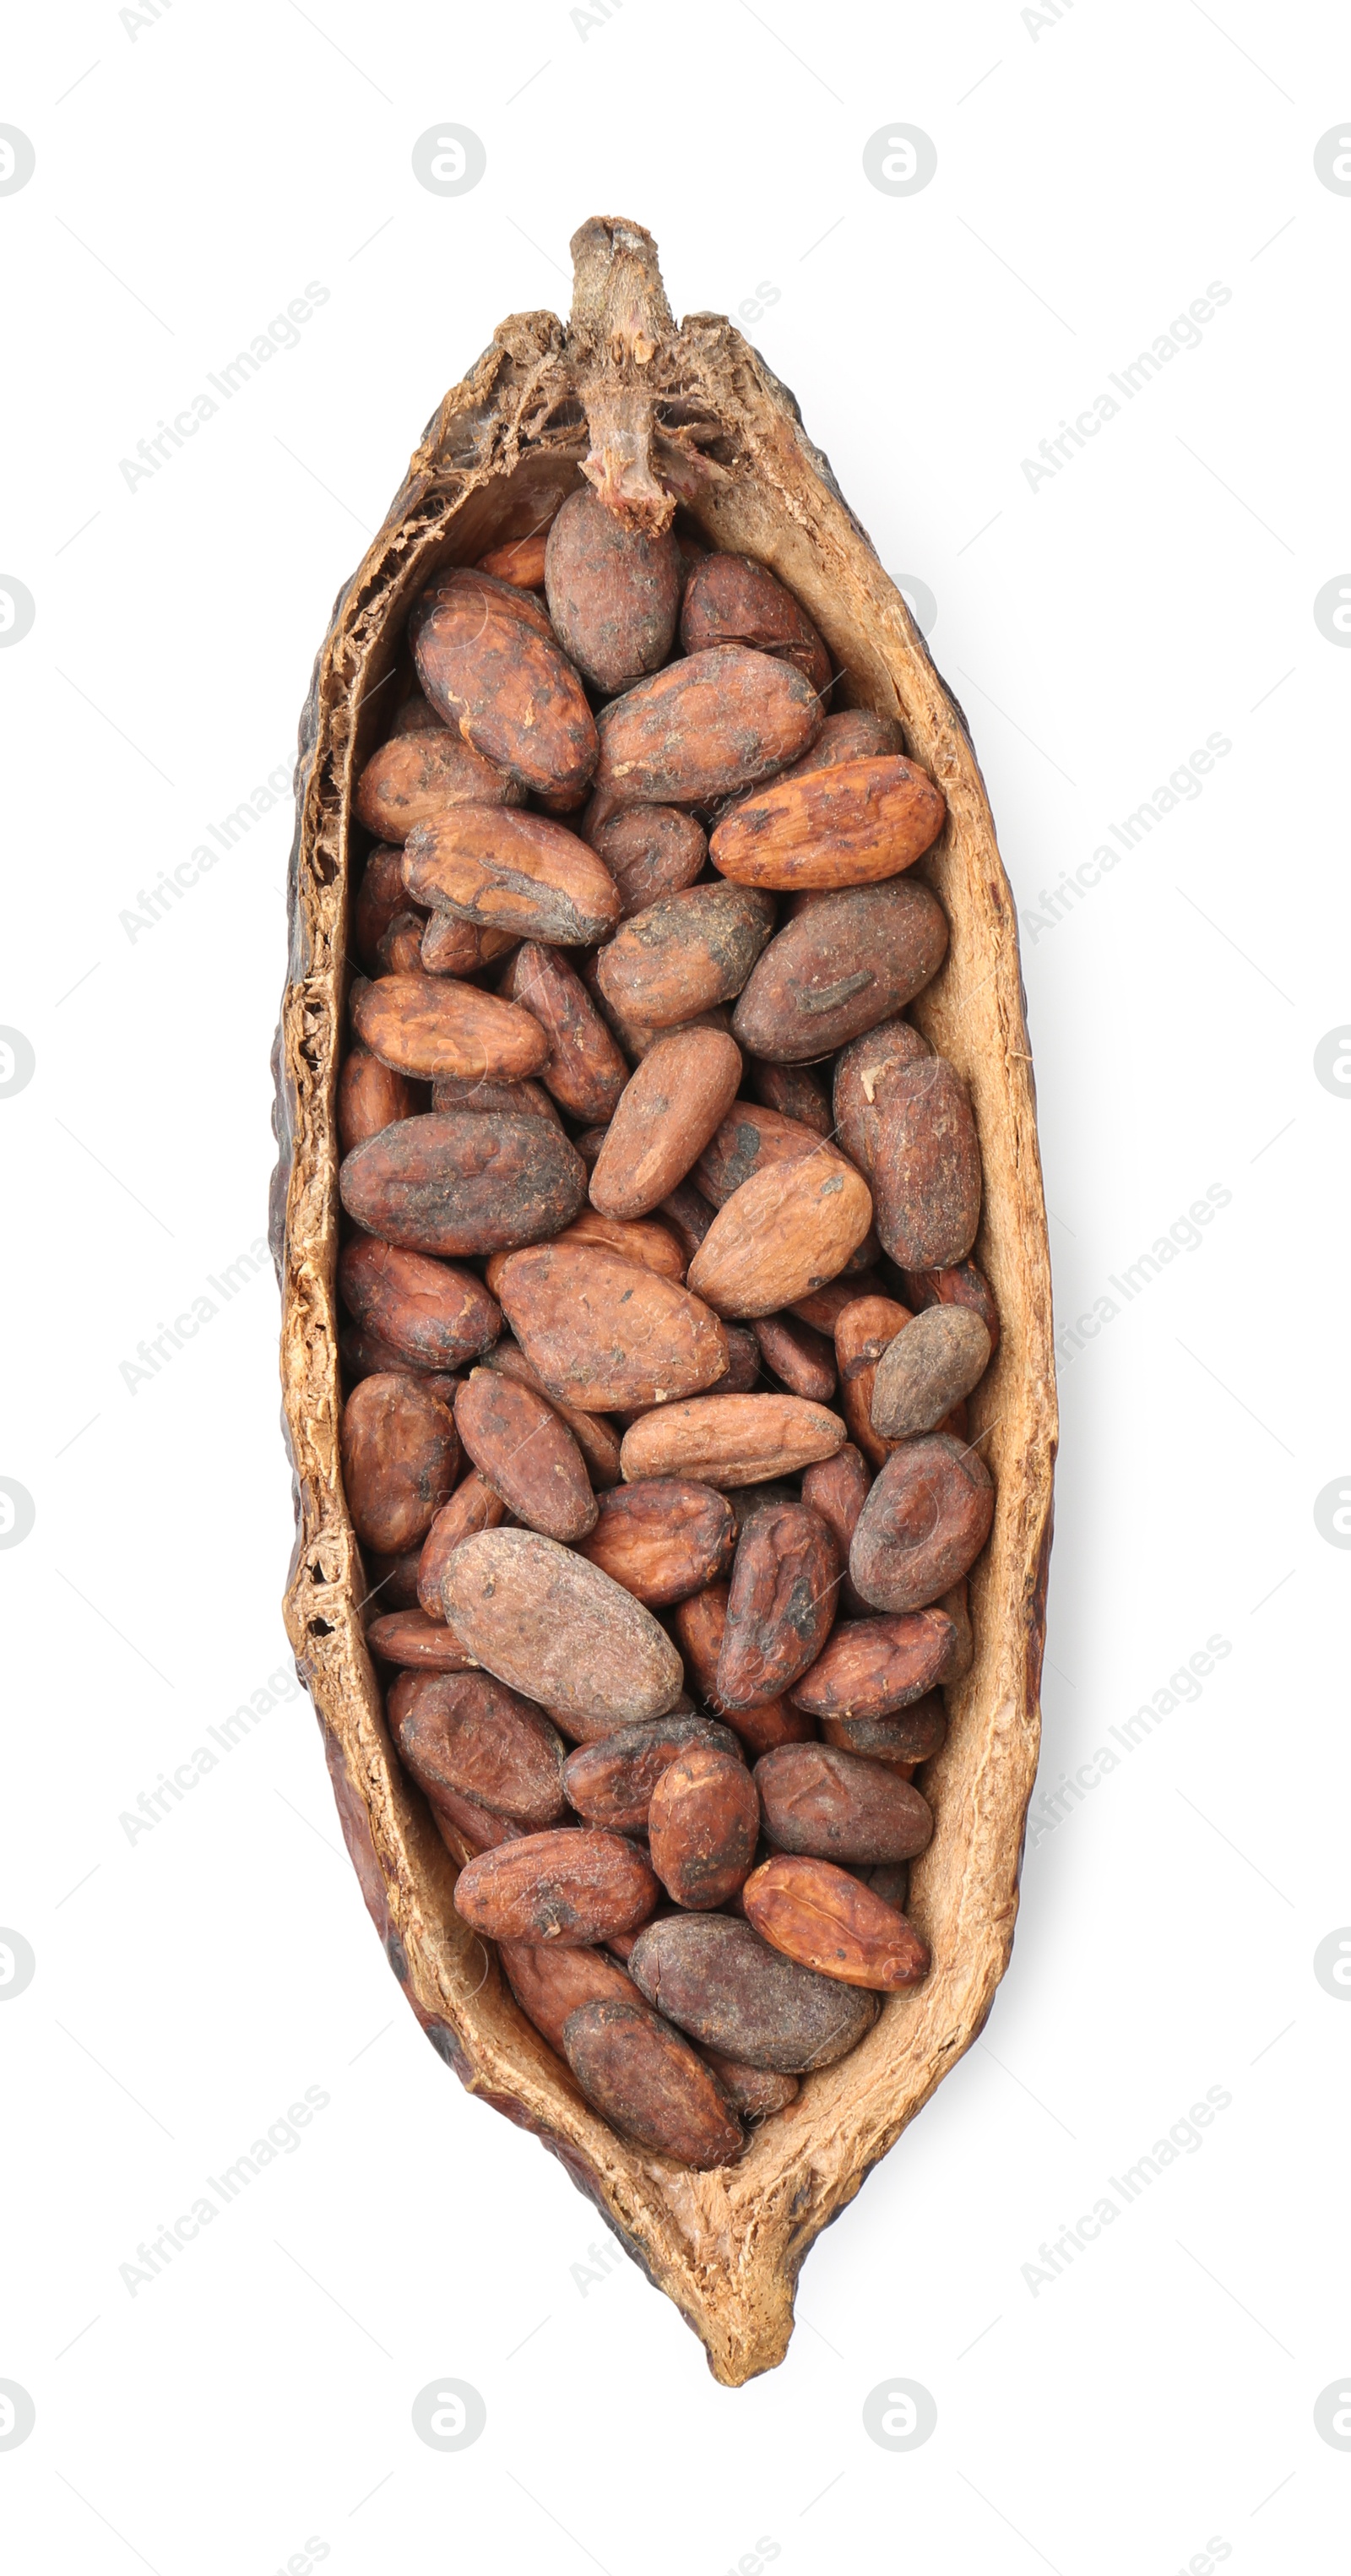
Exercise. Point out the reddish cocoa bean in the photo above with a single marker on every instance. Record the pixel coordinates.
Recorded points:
(863, 1332)
(781, 1604)
(703, 1826)
(380, 895)
(651, 851)
(662, 1539)
(400, 949)
(415, 777)
(700, 730)
(504, 687)
(613, 592)
(567, 1886)
(840, 1806)
(519, 1099)
(861, 1077)
(850, 825)
(851, 960)
(910, 1735)
(825, 1919)
(926, 1167)
(372, 1096)
(433, 1315)
(802, 1359)
(649, 2084)
(429, 1025)
(871, 1667)
(685, 954)
(450, 946)
(667, 1112)
(732, 599)
(730, 1439)
(605, 1332)
(700, 1625)
(794, 1091)
(424, 1645)
(584, 1070)
(962, 1285)
(473, 1506)
(923, 1525)
(549, 1983)
(470, 1736)
(596, 1440)
(399, 1456)
(611, 1780)
(517, 873)
(391, 1582)
(517, 1441)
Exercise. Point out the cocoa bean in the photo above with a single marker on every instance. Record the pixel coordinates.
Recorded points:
(851, 960)
(715, 1978)
(557, 1629)
(910, 1735)
(433, 1315)
(593, 1435)
(504, 686)
(662, 1539)
(399, 1456)
(649, 2084)
(610, 1781)
(584, 1069)
(685, 953)
(923, 1525)
(450, 946)
(703, 1825)
(400, 950)
(457, 1181)
(730, 1439)
(837, 1488)
(731, 599)
(926, 1167)
(518, 873)
(850, 825)
(863, 1331)
(380, 895)
(470, 1736)
(700, 730)
(801, 1358)
(650, 851)
(467, 1828)
(794, 1091)
(840, 1806)
(519, 1099)
(824, 1919)
(750, 1140)
(567, 1886)
(783, 1233)
(415, 777)
(606, 1332)
(871, 1667)
(688, 1211)
(430, 1025)
(633, 1239)
(667, 1112)
(549, 1983)
(613, 592)
(861, 1075)
(752, 2090)
(425, 1645)
(473, 1506)
(517, 1441)
(391, 1581)
(962, 1285)
(854, 734)
(371, 1096)
(521, 563)
(927, 1369)
(700, 1624)
(781, 1604)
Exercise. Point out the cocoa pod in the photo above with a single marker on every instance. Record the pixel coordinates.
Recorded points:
(450, 946)
(611, 1780)
(527, 1454)
(849, 825)
(651, 1245)
(399, 1455)
(514, 872)
(840, 1806)
(584, 1069)
(703, 1825)
(927, 1369)
(864, 1330)
(470, 1736)
(714, 1977)
(825, 1919)
(605, 1332)
(504, 686)
(662, 1539)
(755, 2091)
(783, 1233)
(909, 1735)
(549, 1983)
(685, 953)
(457, 1181)
(667, 1112)
(430, 1025)
(521, 563)
(557, 1629)
(750, 1140)
(416, 776)
(861, 1076)
(854, 734)
(730, 1439)
(781, 1604)
(650, 851)
(923, 1525)
(425, 1645)
(802, 1358)
(926, 1167)
(433, 1315)
(962, 1285)
(473, 1506)
(372, 1096)
(871, 1667)
(794, 1091)
(518, 1099)
(851, 960)
(649, 2084)
(731, 599)
(380, 894)
(593, 1435)
(700, 1624)
(613, 592)
(567, 1886)
(700, 730)
(400, 950)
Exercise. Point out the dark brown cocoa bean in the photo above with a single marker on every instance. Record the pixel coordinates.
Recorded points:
(613, 592)
(923, 1525)
(752, 2090)
(837, 1488)
(585, 1070)
(700, 1624)
(610, 1781)
(457, 1182)
(685, 953)
(598, 1443)
(861, 1077)
(854, 734)
(649, 2084)
(853, 959)
(470, 1736)
(567, 1886)
(732, 599)
(796, 1092)
(910, 1735)
(505, 687)
(926, 1167)
(962, 1285)
(517, 1441)
(380, 894)
(715, 1978)
(662, 1539)
(399, 1457)
(688, 1212)
(840, 1806)
(870, 1667)
(664, 1118)
(651, 851)
(700, 730)
(391, 1582)
(781, 1604)
(434, 1316)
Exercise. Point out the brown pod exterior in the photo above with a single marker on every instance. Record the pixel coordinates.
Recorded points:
(605, 1332)
(703, 1825)
(413, 778)
(840, 1806)
(613, 592)
(863, 1332)
(923, 1525)
(610, 1781)
(399, 1456)
(927, 1369)
(549, 1983)
(854, 734)
(909, 1735)
(825, 1919)
(584, 1069)
(372, 1096)
(514, 1099)
(702, 729)
(650, 851)
(428, 1025)
(668, 1110)
(437, 1317)
(521, 563)
(598, 1444)
(473, 1506)
(470, 1736)
(380, 895)
(852, 825)
(861, 1076)
(962, 1285)
(700, 1624)
(517, 873)
(871, 1667)
(456, 1182)
(794, 1091)
(558, 1630)
(786, 1231)
(781, 1604)
(518, 1442)
(803, 1359)
(568, 1886)
(650, 2085)
(685, 953)
(662, 1539)
(751, 1139)
(755, 2091)
(421, 1644)
(718, 1980)
(838, 968)
(449, 946)
(504, 687)
(732, 599)
(926, 1168)
(651, 1245)
(730, 1439)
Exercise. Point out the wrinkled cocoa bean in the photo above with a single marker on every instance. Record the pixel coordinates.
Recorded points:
(703, 1825)
(517, 1441)
(838, 968)
(457, 1182)
(613, 592)
(730, 1439)
(825, 1919)
(611, 1780)
(871, 1667)
(650, 2085)
(840, 1806)
(557, 1629)
(923, 1525)
(433, 1315)
(469, 1735)
(567, 1886)
(715, 1978)
(605, 1332)
(584, 1070)
(662, 1539)
(650, 851)
(668, 1110)
(781, 1604)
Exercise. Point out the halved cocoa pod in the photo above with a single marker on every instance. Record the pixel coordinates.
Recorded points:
(433, 1315)
(504, 686)
(549, 1983)
(430, 1025)
(854, 734)
(840, 1806)
(845, 826)
(732, 599)
(861, 1076)
(718, 1980)
(749, 1140)
(864, 1330)
(664, 1118)
(802, 1358)
(399, 1455)
(566, 1886)
(613, 592)
(700, 1624)
(610, 1780)
(730, 1439)
(413, 779)
(400, 949)
(855, 958)
(456, 1182)
(371, 1096)
(557, 1629)
(926, 1167)
(825, 1919)
(425, 1645)
(519, 1443)
(521, 563)
(598, 1443)
(794, 1091)
(754, 2091)
(703, 1825)
(701, 729)
(517, 873)
(923, 1525)
(650, 851)
(474, 1505)
(523, 1099)
(471, 1736)
(650, 2085)
(908, 1735)
(650, 1244)
(450, 946)
(781, 1603)
(391, 1582)
(584, 1070)
(784, 1232)
(928, 1368)
(605, 1332)
(662, 1539)
(962, 1285)
(871, 1667)
(685, 953)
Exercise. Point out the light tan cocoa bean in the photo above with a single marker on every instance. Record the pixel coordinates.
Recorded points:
(568, 1886)
(650, 2085)
(605, 1332)
(730, 1439)
(558, 1630)
(429, 1025)
(786, 1231)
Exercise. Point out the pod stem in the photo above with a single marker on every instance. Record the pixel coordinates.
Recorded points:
(620, 323)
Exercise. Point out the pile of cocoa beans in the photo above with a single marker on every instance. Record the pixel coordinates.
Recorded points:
(661, 1319)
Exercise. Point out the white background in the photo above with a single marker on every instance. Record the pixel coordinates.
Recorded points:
(1097, 170)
